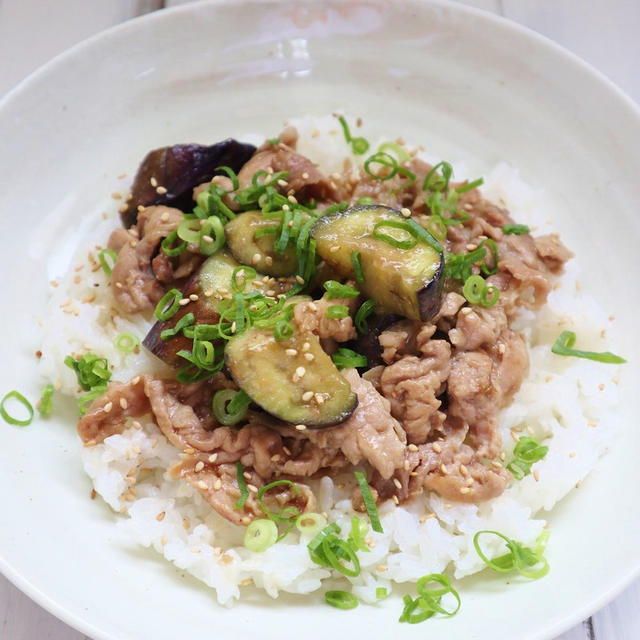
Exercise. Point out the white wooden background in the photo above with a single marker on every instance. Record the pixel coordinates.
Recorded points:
(605, 33)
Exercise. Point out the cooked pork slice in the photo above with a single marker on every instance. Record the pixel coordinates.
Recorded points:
(312, 317)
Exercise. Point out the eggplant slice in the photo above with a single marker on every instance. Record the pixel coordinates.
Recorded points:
(176, 170)
(278, 377)
(407, 282)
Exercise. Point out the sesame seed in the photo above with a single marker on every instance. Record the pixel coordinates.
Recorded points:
(93, 494)
(300, 371)
(275, 457)
(270, 293)
(395, 499)
(286, 450)
(572, 454)
(256, 258)
(300, 279)
(269, 260)
(116, 196)
(502, 348)
(119, 285)
(184, 302)
(305, 175)
(336, 247)
(381, 567)
(251, 487)
(471, 247)
(246, 475)
(213, 457)
(107, 407)
(160, 516)
(436, 447)
(153, 181)
(134, 381)
(463, 470)
(319, 398)
(536, 474)
(464, 490)
(161, 190)
(291, 352)
(406, 465)
(246, 582)
(141, 208)
(199, 466)
(412, 447)
(234, 326)
(306, 346)
(292, 199)
(307, 395)
(601, 386)
(202, 484)
(397, 483)
(217, 485)
(443, 468)
(309, 356)
(405, 212)
(465, 311)
(193, 297)
(496, 464)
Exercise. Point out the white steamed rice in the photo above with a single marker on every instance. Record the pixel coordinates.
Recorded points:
(562, 402)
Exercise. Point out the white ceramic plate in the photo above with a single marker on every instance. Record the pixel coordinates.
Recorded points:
(464, 83)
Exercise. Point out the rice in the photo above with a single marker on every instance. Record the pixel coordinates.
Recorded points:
(562, 402)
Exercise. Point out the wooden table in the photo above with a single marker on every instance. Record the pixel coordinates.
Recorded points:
(604, 33)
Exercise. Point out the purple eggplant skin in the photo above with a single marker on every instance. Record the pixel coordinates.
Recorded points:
(367, 344)
(179, 169)
(430, 296)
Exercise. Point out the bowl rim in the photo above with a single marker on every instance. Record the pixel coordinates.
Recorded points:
(60, 609)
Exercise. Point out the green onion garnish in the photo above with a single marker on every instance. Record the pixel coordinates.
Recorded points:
(369, 502)
(437, 228)
(384, 160)
(345, 358)
(493, 269)
(435, 181)
(260, 535)
(365, 310)
(102, 258)
(357, 266)
(168, 304)
(336, 206)
(341, 599)
(381, 593)
(357, 534)
(91, 370)
(211, 237)
(358, 145)
(526, 452)
(310, 523)
(242, 485)
(127, 342)
(515, 229)
(364, 200)
(336, 290)
(24, 402)
(477, 291)
(563, 346)
(336, 553)
(401, 152)
(288, 514)
(428, 602)
(458, 265)
(406, 243)
(189, 230)
(45, 405)
(169, 247)
(519, 558)
(336, 311)
(424, 235)
(86, 399)
(187, 320)
(229, 406)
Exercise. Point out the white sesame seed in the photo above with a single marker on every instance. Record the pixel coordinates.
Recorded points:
(123, 403)
(465, 311)
(405, 212)
(217, 485)
(291, 352)
(464, 490)
(309, 356)
(252, 488)
(202, 484)
(381, 567)
(200, 466)
(292, 199)
(300, 371)
(282, 183)
(161, 190)
(305, 175)
(412, 447)
(306, 346)
(443, 468)
(319, 398)
(463, 470)
(256, 258)
(165, 216)
(336, 247)
(107, 407)
(301, 427)
(153, 181)
(536, 474)
(160, 516)
(193, 297)
(275, 457)
(397, 483)
(213, 457)
(300, 279)
(307, 395)
(184, 302)
(395, 499)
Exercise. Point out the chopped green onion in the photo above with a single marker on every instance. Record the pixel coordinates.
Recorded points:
(231, 174)
(358, 145)
(243, 272)
(187, 320)
(357, 267)
(477, 291)
(407, 243)
(365, 200)
(526, 452)
(401, 153)
(242, 485)
(316, 541)
(211, 236)
(384, 160)
(336, 290)
(405, 173)
(515, 229)
(437, 228)
(381, 593)
(273, 141)
(189, 230)
(345, 358)
(229, 406)
(167, 245)
(45, 405)
(468, 186)
(486, 269)
(336, 311)
(428, 602)
(288, 514)
(335, 207)
(86, 399)
(458, 265)
(435, 181)
(102, 258)
(424, 235)
(168, 304)
(310, 523)
(369, 502)
(127, 342)
(91, 370)
(24, 402)
(563, 346)
(365, 310)
(338, 554)
(260, 535)
(519, 558)
(357, 535)
(341, 599)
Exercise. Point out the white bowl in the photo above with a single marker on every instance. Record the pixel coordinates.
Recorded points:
(466, 84)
